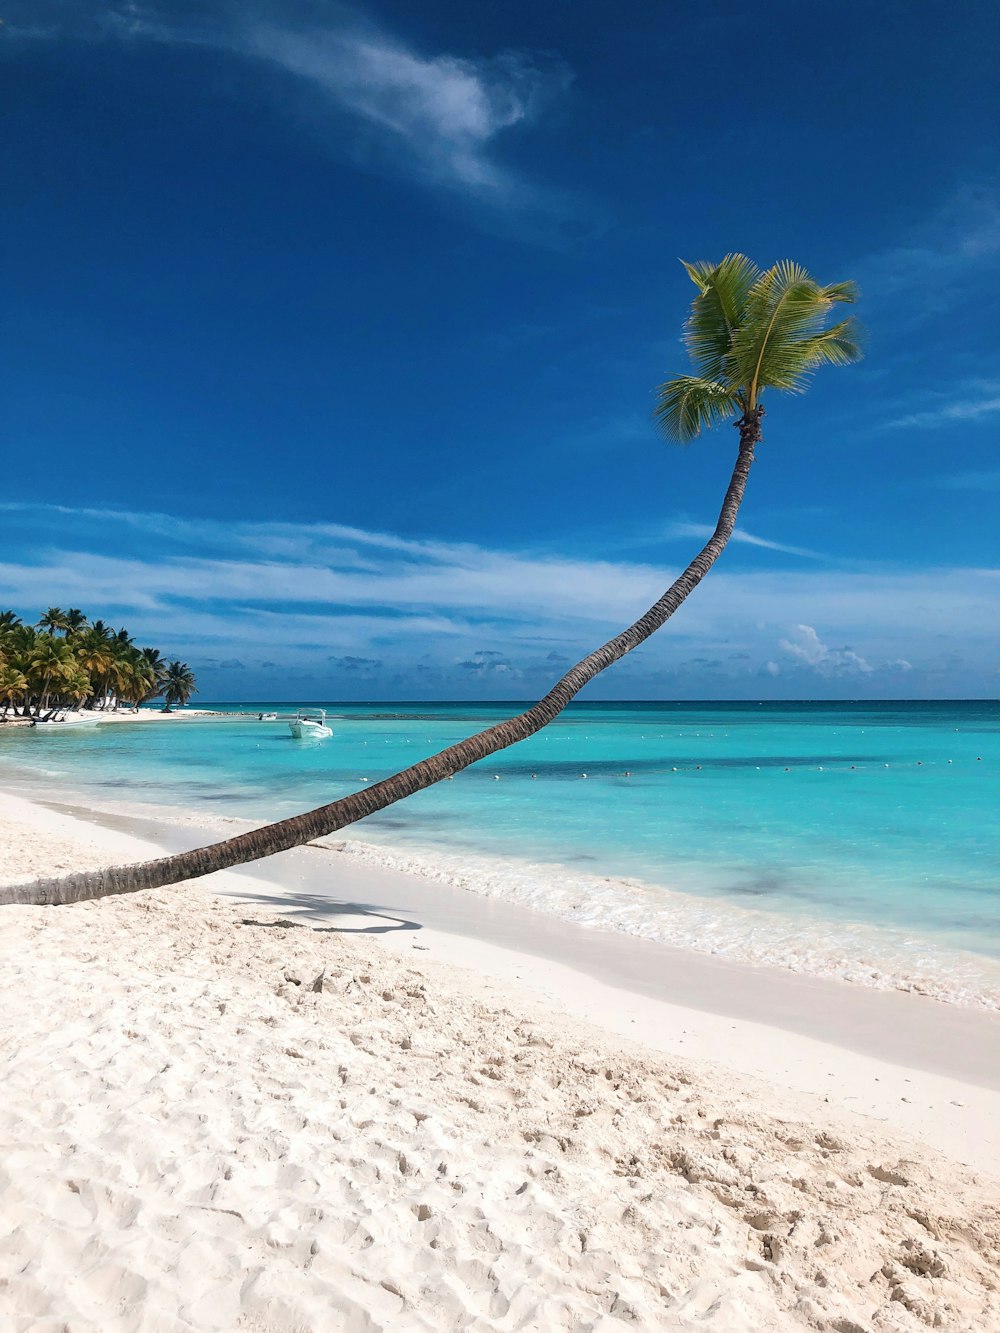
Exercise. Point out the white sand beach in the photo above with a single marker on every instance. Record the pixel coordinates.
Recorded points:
(214, 1117)
(80, 717)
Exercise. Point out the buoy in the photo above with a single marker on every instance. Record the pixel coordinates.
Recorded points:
(534, 776)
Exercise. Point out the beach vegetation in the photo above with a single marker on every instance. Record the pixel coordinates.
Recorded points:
(66, 663)
(178, 685)
(749, 331)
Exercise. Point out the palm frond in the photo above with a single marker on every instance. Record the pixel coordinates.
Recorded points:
(699, 272)
(717, 311)
(687, 405)
(786, 311)
(841, 291)
(839, 345)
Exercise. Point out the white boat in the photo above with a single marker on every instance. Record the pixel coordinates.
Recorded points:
(310, 723)
(64, 722)
(267, 717)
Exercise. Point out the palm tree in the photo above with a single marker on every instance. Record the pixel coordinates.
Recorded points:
(155, 659)
(158, 673)
(53, 620)
(13, 684)
(75, 620)
(49, 663)
(749, 331)
(134, 677)
(9, 620)
(178, 686)
(19, 644)
(75, 686)
(94, 654)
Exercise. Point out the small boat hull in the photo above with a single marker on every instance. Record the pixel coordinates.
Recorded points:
(302, 729)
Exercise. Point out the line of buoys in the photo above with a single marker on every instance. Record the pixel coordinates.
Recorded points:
(698, 768)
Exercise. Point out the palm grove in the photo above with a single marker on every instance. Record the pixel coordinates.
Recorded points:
(749, 331)
(65, 662)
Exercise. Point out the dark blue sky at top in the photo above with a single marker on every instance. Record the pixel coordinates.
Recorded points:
(246, 282)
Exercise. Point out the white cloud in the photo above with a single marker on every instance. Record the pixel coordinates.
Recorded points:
(973, 403)
(314, 591)
(702, 531)
(940, 255)
(810, 650)
(445, 110)
(437, 116)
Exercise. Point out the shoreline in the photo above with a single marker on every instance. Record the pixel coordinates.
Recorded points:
(927, 1068)
(857, 928)
(864, 954)
(218, 1117)
(79, 717)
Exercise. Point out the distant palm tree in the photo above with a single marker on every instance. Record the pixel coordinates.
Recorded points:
(49, 663)
(75, 686)
(9, 619)
(94, 653)
(178, 686)
(13, 685)
(748, 331)
(53, 620)
(158, 667)
(75, 620)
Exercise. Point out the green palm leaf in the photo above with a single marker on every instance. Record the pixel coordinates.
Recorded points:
(688, 405)
(717, 311)
(779, 341)
(838, 345)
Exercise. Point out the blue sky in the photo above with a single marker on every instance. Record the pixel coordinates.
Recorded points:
(331, 335)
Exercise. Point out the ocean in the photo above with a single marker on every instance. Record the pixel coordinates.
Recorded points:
(859, 840)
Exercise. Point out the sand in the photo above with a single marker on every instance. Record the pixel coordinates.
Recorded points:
(79, 717)
(214, 1117)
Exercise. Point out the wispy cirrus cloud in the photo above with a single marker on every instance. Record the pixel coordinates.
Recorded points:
(941, 256)
(975, 401)
(435, 116)
(702, 531)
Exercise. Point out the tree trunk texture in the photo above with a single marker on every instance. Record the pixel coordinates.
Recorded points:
(327, 819)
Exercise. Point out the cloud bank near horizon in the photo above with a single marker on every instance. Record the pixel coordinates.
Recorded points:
(264, 608)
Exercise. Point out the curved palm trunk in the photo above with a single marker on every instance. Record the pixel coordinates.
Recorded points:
(349, 809)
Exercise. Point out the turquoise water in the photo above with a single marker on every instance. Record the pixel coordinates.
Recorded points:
(861, 835)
